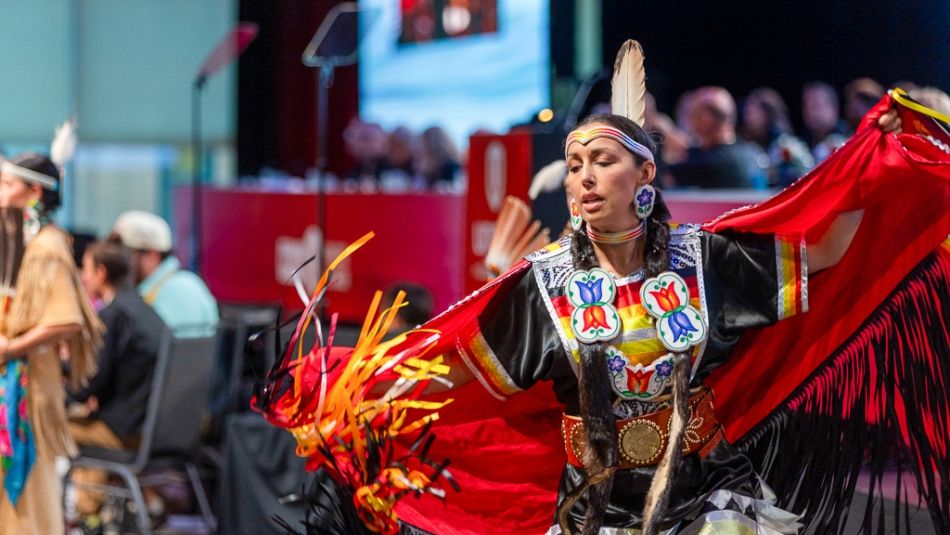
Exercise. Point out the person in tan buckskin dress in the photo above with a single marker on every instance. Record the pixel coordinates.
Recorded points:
(50, 318)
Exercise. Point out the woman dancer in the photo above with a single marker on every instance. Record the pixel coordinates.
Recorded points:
(50, 317)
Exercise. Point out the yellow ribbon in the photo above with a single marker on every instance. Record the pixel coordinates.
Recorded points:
(901, 96)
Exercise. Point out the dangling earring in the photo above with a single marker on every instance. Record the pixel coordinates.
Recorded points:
(32, 222)
(644, 197)
(576, 220)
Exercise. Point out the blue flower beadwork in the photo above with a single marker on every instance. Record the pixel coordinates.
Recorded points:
(616, 363)
(645, 197)
(664, 369)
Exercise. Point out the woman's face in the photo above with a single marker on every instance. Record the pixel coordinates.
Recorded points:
(93, 276)
(15, 193)
(602, 178)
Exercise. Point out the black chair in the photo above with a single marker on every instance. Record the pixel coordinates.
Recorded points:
(171, 434)
(247, 321)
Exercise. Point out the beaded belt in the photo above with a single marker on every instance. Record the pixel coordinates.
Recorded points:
(642, 440)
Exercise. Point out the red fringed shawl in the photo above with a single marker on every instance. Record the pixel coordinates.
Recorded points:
(507, 456)
(810, 399)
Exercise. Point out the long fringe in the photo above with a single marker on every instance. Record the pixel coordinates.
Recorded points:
(596, 410)
(662, 483)
(343, 423)
(883, 400)
(43, 262)
(47, 267)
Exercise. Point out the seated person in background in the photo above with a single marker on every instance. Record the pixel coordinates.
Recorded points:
(400, 150)
(933, 98)
(180, 297)
(765, 123)
(366, 143)
(117, 396)
(720, 160)
(825, 131)
(672, 141)
(417, 311)
(860, 96)
(438, 160)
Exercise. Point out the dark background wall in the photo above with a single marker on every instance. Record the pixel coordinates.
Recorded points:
(277, 93)
(739, 45)
(782, 44)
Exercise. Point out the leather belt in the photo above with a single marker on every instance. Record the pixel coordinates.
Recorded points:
(641, 441)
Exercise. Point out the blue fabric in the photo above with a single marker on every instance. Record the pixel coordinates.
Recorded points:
(17, 449)
(181, 299)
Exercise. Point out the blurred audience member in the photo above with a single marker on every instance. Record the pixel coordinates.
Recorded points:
(681, 115)
(933, 98)
(438, 160)
(398, 170)
(765, 123)
(825, 131)
(400, 149)
(117, 396)
(180, 297)
(859, 97)
(720, 160)
(906, 85)
(366, 143)
(672, 142)
(416, 311)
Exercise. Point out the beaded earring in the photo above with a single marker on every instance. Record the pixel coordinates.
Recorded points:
(644, 198)
(576, 220)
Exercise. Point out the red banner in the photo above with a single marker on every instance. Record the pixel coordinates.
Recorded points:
(497, 166)
(254, 240)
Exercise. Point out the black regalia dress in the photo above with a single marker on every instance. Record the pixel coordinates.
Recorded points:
(735, 282)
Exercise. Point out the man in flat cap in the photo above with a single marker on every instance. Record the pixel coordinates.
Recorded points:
(179, 296)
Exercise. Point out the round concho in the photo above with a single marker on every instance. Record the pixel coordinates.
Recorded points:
(577, 441)
(641, 441)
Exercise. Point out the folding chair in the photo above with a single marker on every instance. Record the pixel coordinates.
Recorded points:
(171, 434)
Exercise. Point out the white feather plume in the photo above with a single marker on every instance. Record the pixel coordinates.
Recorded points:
(548, 178)
(63, 147)
(628, 86)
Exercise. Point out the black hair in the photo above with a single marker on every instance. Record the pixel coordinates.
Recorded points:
(41, 164)
(594, 391)
(114, 258)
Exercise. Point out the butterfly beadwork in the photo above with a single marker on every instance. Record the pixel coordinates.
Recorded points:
(679, 326)
(592, 293)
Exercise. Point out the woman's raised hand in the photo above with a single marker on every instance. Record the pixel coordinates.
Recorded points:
(890, 122)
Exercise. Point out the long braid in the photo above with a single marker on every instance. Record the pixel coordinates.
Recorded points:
(596, 407)
(594, 390)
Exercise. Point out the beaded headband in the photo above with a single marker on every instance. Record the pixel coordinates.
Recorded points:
(586, 136)
(29, 175)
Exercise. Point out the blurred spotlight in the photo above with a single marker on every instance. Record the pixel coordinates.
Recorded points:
(455, 19)
(545, 115)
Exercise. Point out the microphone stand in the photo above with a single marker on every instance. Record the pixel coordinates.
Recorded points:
(197, 172)
(324, 82)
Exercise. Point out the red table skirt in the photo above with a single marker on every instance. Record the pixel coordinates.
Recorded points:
(253, 240)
